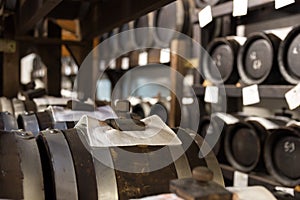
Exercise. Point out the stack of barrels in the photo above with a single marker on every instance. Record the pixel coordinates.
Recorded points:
(61, 164)
(263, 58)
(250, 143)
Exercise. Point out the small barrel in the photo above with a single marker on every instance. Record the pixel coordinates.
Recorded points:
(222, 54)
(143, 30)
(126, 37)
(281, 155)
(288, 56)
(89, 178)
(244, 142)
(21, 174)
(180, 22)
(257, 59)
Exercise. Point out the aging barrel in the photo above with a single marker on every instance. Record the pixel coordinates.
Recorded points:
(282, 151)
(288, 56)
(126, 37)
(244, 142)
(180, 22)
(222, 54)
(38, 121)
(143, 30)
(16, 106)
(204, 3)
(21, 174)
(257, 59)
(89, 178)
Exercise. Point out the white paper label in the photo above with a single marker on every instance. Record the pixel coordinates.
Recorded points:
(282, 3)
(112, 64)
(143, 58)
(240, 179)
(250, 95)
(240, 7)
(205, 16)
(227, 118)
(292, 97)
(102, 65)
(267, 124)
(286, 190)
(125, 63)
(165, 55)
(211, 94)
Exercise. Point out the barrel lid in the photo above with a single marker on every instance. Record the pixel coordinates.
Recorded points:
(293, 57)
(286, 151)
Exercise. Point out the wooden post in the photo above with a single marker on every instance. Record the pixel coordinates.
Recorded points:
(177, 64)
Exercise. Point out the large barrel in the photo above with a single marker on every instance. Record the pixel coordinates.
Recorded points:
(282, 151)
(179, 22)
(288, 56)
(126, 37)
(244, 142)
(204, 3)
(257, 59)
(222, 53)
(21, 174)
(88, 178)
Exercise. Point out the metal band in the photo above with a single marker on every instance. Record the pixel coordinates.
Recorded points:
(6, 105)
(44, 119)
(33, 185)
(10, 169)
(84, 166)
(9, 122)
(30, 123)
(62, 165)
(182, 165)
(18, 107)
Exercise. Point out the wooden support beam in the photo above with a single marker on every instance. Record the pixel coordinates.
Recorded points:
(48, 41)
(119, 12)
(178, 61)
(33, 11)
(153, 56)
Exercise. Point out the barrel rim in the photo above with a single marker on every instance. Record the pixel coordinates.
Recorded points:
(241, 56)
(287, 74)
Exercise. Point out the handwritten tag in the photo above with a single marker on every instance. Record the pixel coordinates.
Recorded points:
(292, 97)
(250, 95)
(125, 63)
(283, 3)
(143, 58)
(240, 7)
(240, 179)
(165, 55)
(211, 94)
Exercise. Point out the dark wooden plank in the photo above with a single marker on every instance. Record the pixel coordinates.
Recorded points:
(32, 11)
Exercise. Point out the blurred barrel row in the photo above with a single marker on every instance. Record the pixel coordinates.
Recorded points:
(251, 143)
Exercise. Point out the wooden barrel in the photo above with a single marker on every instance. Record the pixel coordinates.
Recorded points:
(288, 56)
(38, 121)
(113, 44)
(88, 178)
(257, 59)
(126, 37)
(244, 142)
(281, 155)
(21, 174)
(16, 106)
(144, 37)
(222, 53)
(7, 122)
(180, 22)
(161, 109)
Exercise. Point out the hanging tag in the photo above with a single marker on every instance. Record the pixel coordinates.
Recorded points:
(143, 58)
(292, 97)
(282, 3)
(211, 94)
(125, 63)
(102, 65)
(240, 7)
(240, 179)
(250, 95)
(165, 55)
(112, 64)
(205, 16)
